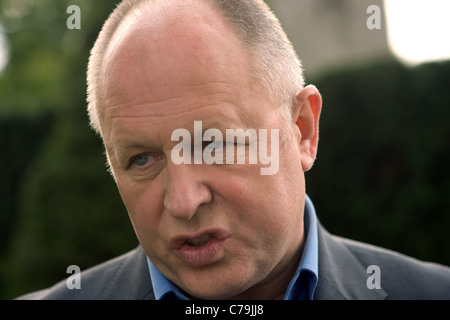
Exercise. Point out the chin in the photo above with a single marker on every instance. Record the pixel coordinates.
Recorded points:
(216, 293)
(215, 285)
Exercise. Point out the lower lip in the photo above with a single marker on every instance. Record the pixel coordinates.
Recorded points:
(200, 256)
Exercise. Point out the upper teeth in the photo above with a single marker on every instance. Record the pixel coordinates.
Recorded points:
(197, 242)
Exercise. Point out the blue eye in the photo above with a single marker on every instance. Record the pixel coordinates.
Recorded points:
(140, 159)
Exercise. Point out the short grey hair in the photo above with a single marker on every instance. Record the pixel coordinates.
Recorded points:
(274, 61)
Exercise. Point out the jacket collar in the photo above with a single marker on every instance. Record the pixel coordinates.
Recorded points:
(341, 274)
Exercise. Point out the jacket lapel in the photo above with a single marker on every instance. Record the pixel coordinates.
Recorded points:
(341, 275)
(131, 280)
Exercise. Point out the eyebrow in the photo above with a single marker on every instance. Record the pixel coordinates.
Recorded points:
(121, 146)
(125, 147)
(119, 149)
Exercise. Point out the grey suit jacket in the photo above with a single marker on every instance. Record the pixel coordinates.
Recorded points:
(343, 274)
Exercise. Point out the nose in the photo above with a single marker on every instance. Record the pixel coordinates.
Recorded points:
(186, 191)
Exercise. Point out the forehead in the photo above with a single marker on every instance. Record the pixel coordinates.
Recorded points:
(173, 64)
(178, 45)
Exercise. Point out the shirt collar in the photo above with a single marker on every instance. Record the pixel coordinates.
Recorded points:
(163, 287)
(304, 282)
(302, 285)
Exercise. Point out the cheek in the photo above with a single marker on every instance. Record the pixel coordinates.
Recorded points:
(144, 206)
(275, 203)
(263, 208)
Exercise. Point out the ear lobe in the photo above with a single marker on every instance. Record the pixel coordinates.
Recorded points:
(309, 104)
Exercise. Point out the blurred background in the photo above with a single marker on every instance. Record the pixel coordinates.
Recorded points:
(382, 172)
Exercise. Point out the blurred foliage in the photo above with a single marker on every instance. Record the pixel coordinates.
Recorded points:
(59, 206)
(381, 174)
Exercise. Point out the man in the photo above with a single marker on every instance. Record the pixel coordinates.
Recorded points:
(164, 74)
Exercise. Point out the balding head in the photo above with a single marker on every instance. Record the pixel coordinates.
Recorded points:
(272, 60)
(180, 46)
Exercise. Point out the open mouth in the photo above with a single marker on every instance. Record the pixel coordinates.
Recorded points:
(203, 248)
(200, 241)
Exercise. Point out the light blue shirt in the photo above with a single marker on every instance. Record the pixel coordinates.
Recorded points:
(302, 285)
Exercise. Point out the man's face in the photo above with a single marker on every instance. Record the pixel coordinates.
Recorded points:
(218, 230)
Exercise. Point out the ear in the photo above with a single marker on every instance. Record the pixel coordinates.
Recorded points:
(306, 117)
